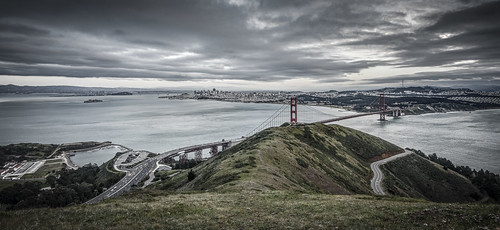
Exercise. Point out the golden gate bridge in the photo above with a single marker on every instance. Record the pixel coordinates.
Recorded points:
(309, 114)
(290, 114)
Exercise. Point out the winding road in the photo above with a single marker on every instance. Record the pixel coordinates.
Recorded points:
(378, 175)
(144, 165)
(132, 177)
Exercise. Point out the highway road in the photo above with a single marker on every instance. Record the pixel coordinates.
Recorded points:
(132, 177)
(138, 173)
(378, 175)
(55, 151)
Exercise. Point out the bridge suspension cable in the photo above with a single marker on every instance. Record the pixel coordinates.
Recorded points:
(279, 117)
(310, 114)
(374, 102)
(306, 114)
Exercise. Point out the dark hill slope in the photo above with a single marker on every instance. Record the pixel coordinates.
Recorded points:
(307, 158)
(414, 176)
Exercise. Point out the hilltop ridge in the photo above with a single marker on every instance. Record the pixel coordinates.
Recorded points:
(306, 158)
(317, 158)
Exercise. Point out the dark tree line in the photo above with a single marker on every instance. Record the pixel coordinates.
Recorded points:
(191, 175)
(21, 152)
(72, 187)
(186, 164)
(485, 180)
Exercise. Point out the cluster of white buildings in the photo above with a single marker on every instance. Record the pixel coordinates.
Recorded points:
(283, 97)
(242, 96)
(15, 170)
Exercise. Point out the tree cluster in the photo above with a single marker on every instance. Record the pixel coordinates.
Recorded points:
(191, 175)
(486, 181)
(186, 164)
(71, 187)
(24, 151)
(30, 151)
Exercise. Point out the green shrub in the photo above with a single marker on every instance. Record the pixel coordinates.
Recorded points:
(302, 163)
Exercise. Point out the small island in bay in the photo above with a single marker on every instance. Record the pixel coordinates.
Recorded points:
(92, 101)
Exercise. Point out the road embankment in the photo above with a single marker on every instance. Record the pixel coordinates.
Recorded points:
(378, 176)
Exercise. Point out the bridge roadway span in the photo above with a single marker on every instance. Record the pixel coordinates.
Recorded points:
(378, 175)
(179, 151)
(354, 116)
(136, 174)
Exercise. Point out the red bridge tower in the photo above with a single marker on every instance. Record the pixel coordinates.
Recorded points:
(293, 110)
(382, 107)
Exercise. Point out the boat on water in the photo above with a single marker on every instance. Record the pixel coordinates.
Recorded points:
(92, 101)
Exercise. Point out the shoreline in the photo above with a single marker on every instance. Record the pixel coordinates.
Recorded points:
(346, 108)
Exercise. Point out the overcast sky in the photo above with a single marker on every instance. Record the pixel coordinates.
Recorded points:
(237, 44)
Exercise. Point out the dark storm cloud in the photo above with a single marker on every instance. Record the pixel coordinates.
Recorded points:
(474, 34)
(22, 30)
(467, 38)
(481, 76)
(188, 40)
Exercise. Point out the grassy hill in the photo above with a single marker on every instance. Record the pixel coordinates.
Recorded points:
(415, 176)
(282, 178)
(306, 158)
(256, 210)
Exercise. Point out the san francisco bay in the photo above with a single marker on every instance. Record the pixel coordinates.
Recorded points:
(158, 125)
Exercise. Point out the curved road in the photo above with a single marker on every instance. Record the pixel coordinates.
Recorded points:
(378, 175)
(135, 175)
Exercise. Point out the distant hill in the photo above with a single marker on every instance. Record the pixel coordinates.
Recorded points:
(52, 89)
(307, 158)
(422, 89)
(64, 89)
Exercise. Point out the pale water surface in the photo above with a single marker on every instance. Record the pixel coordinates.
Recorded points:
(149, 123)
(97, 156)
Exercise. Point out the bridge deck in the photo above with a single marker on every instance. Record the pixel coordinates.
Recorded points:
(353, 116)
(177, 152)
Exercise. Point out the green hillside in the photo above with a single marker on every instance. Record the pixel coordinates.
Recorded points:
(415, 176)
(306, 158)
(256, 210)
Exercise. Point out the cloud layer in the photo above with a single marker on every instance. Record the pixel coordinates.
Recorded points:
(257, 41)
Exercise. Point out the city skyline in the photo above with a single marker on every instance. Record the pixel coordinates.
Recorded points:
(244, 45)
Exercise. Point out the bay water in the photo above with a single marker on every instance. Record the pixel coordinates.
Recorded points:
(146, 122)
